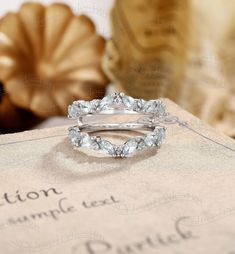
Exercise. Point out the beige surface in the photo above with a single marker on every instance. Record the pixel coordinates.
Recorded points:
(178, 200)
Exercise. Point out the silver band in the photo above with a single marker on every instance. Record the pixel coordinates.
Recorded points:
(114, 127)
(148, 113)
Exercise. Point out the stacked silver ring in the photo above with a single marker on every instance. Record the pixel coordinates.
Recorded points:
(149, 113)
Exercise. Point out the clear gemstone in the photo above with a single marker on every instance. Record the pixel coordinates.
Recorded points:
(85, 107)
(141, 144)
(107, 147)
(151, 139)
(85, 140)
(118, 98)
(138, 106)
(160, 132)
(73, 110)
(73, 136)
(129, 147)
(94, 143)
(106, 102)
(79, 138)
(149, 106)
(94, 105)
(155, 138)
(128, 101)
(161, 109)
(154, 106)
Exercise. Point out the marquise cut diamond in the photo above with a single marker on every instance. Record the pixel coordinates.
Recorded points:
(85, 140)
(106, 102)
(73, 136)
(130, 146)
(141, 144)
(94, 145)
(73, 111)
(107, 147)
(95, 105)
(78, 138)
(155, 107)
(85, 107)
(128, 101)
(155, 138)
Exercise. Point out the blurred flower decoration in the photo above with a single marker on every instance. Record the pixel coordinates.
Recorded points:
(50, 57)
(12, 118)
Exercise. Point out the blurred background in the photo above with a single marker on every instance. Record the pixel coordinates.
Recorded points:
(98, 11)
(55, 52)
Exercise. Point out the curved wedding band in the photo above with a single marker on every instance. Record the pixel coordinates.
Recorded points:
(148, 113)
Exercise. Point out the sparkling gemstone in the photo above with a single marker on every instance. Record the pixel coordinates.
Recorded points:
(118, 98)
(79, 138)
(149, 106)
(85, 140)
(73, 136)
(129, 147)
(141, 144)
(107, 147)
(151, 139)
(94, 105)
(155, 138)
(94, 143)
(85, 107)
(106, 102)
(139, 104)
(128, 101)
(160, 108)
(160, 132)
(73, 110)
(154, 106)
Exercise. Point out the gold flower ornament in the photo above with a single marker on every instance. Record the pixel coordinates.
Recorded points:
(50, 57)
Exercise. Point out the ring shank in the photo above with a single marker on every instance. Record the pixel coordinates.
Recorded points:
(120, 111)
(142, 121)
(115, 126)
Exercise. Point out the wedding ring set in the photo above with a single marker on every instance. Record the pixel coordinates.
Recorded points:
(148, 113)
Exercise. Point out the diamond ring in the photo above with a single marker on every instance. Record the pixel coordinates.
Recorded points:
(115, 105)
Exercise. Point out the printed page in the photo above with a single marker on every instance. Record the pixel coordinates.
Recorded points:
(178, 199)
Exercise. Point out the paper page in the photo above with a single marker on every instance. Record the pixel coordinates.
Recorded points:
(179, 199)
